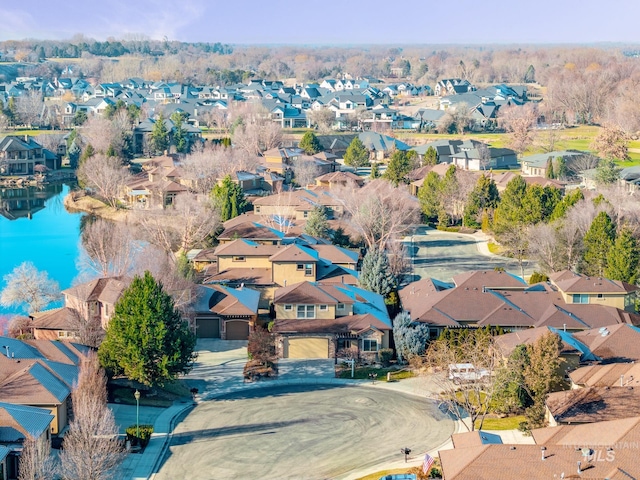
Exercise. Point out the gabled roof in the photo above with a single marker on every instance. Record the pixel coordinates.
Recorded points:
(34, 385)
(311, 293)
(248, 248)
(570, 282)
(594, 404)
(613, 343)
(294, 253)
(29, 421)
(608, 375)
(228, 302)
(107, 290)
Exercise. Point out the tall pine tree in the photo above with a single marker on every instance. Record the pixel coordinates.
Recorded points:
(356, 155)
(623, 258)
(375, 274)
(147, 339)
(310, 143)
(229, 198)
(597, 242)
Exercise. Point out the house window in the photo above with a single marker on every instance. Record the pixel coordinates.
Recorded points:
(288, 307)
(238, 259)
(306, 311)
(600, 295)
(308, 269)
(340, 306)
(323, 308)
(257, 208)
(300, 266)
(305, 214)
(580, 298)
(369, 345)
(62, 334)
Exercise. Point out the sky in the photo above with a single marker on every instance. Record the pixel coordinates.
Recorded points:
(330, 22)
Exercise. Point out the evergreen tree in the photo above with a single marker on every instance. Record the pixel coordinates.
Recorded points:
(562, 172)
(509, 210)
(429, 196)
(597, 242)
(410, 337)
(88, 152)
(550, 173)
(356, 155)
(568, 201)
(317, 224)
(180, 138)
(79, 118)
(229, 198)
(607, 172)
(430, 157)
(185, 267)
(374, 171)
(310, 143)
(340, 238)
(484, 196)
(375, 274)
(147, 339)
(623, 258)
(159, 135)
(398, 168)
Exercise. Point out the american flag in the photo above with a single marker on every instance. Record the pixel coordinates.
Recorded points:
(428, 461)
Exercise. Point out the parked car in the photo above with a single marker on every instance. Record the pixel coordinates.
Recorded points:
(465, 372)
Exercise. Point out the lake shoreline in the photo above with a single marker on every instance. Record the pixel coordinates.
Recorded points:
(74, 203)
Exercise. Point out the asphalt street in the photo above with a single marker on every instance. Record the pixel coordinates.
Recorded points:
(443, 255)
(301, 432)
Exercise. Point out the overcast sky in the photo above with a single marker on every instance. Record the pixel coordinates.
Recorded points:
(328, 21)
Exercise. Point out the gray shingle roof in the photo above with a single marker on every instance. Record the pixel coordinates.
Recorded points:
(49, 381)
(32, 419)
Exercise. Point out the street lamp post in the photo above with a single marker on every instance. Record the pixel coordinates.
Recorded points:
(406, 451)
(137, 396)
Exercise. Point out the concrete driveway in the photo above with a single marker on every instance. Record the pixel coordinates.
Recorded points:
(443, 255)
(301, 432)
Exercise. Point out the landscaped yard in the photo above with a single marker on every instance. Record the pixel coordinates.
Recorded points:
(506, 423)
(362, 373)
(158, 397)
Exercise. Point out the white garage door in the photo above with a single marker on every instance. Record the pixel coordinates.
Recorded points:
(308, 348)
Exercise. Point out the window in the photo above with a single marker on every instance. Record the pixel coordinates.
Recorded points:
(306, 311)
(238, 259)
(323, 308)
(580, 298)
(62, 334)
(308, 269)
(305, 214)
(340, 306)
(300, 266)
(600, 296)
(288, 307)
(257, 208)
(369, 345)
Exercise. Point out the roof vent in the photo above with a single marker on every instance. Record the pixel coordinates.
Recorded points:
(513, 447)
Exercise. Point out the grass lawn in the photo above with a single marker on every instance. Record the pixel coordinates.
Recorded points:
(162, 397)
(506, 423)
(494, 248)
(362, 373)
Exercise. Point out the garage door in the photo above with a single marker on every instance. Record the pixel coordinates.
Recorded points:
(207, 328)
(308, 348)
(237, 330)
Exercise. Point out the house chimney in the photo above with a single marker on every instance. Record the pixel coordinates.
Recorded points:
(542, 449)
(26, 138)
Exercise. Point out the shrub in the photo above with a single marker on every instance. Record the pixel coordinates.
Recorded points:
(145, 434)
(384, 355)
(537, 277)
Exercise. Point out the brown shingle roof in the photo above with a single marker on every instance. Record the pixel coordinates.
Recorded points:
(249, 231)
(107, 290)
(570, 282)
(249, 276)
(611, 375)
(247, 248)
(55, 319)
(292, 253)
(594, 404)
(622, 343)
(310, 293)
(348, 324)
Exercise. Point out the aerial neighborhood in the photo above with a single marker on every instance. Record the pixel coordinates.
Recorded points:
(470, 235)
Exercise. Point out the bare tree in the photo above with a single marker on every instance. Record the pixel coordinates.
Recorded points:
(281, 218)
(182, 227)
(36, 463)
(101, 133)
(519, 122)
(579, 164)
(104, 175)
(570, 238)
(379, 212)
(29, 107)
(4, 122)
(461, 117)
(91, 447)
(545, 248)
(28, 287)
(612, 142)
(323, 118)
(20, 327)
(515, 240)
(305, 171)
(548, 139)
(108, 248)
(467, 397)
(257, 132)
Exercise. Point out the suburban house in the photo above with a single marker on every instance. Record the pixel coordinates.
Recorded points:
(381, 146)
(502, 180)
(298, 203)
(19, 423)
(319, 320)
(485, 158)
(24, 156)
(536, 165)
(268, 266)
(569, 301)
(156, 186)
(96, 298)
(452, 86)
(224, 312)
(339, 179)
(40, 373)
(142, 134)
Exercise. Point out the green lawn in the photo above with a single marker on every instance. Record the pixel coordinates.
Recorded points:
(506, 423)
(162, 397)
(362, 373)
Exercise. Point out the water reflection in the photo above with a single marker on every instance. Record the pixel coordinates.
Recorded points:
(25, 202)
